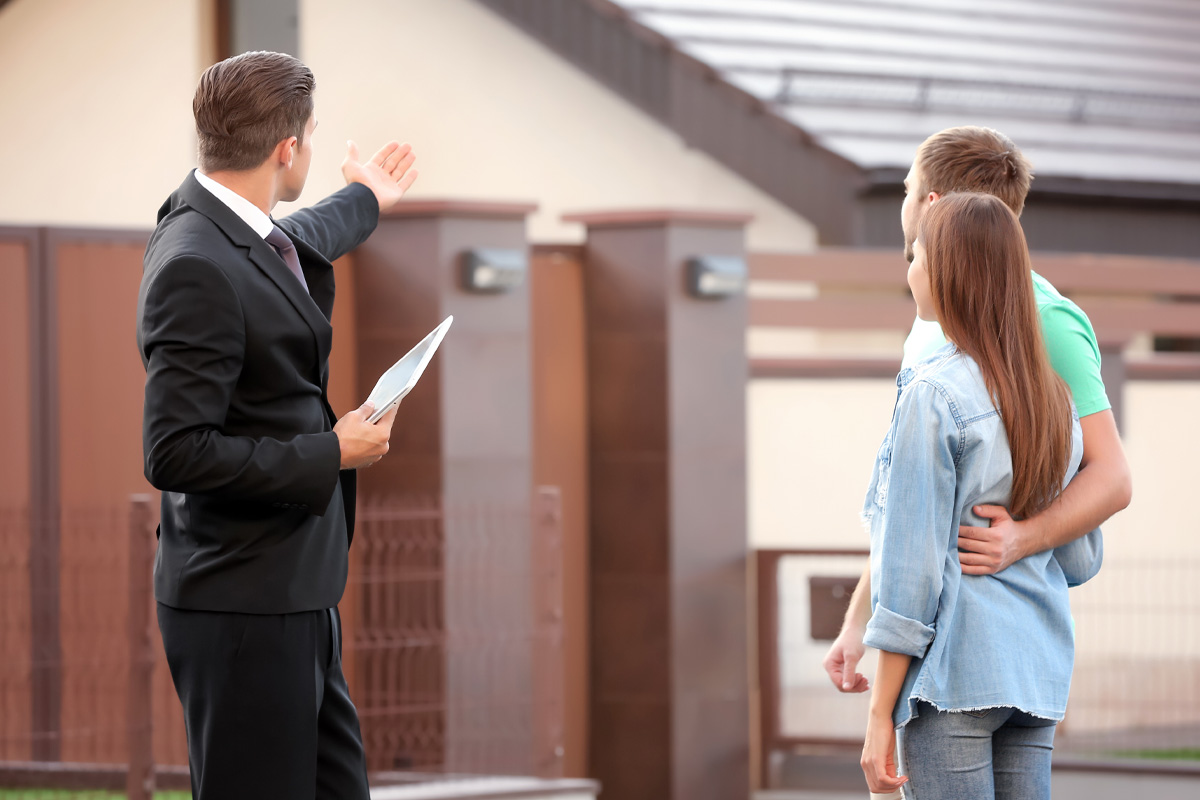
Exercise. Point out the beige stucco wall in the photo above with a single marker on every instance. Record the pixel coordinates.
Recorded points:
(812, 442)
(102, 129)
(811, 448)
(493, 114)
(96, 100)
(1152, 549)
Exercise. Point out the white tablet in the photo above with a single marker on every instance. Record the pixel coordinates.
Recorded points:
(399, 380)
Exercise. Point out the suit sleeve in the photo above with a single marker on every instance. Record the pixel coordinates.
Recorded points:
(193, 341)
(337, 224)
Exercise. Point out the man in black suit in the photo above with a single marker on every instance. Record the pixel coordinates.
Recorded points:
(256, 471)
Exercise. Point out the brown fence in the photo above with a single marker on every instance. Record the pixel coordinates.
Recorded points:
(1135, 692)
(82, 678)
(840, 290)
(453, 647)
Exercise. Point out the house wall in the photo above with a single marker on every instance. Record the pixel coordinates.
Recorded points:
(811, 446)
(107, 131)
(1068, 224)
(98, 123)
(492, 113)
(797, 500)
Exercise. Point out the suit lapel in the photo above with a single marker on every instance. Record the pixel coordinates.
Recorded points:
(318, 274)
(264, 257)
(267, 260)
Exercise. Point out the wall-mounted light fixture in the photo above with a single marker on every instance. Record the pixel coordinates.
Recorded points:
(716, 276)
(491, 270)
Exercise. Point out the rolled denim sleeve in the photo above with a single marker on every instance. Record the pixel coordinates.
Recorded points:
(910, 548)
(896, 634)
(1081, 559)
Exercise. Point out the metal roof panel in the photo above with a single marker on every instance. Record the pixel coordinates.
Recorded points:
(1094, 89)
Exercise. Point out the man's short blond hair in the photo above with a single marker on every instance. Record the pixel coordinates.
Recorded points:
(974, 159)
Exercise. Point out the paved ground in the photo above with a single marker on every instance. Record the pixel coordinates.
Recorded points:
(1176, 737)
(1066, 786)
(1109, 786)
(835, 775)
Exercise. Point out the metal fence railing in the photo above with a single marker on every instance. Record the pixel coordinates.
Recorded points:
(452, 646)
(77, 675)
(457, 651)
(1135, 694)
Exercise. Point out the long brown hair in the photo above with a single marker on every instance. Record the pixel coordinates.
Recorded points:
(982, 286)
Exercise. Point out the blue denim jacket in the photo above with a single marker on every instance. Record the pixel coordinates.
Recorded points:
(977, 641)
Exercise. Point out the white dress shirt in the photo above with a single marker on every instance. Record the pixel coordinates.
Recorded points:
(249, 213)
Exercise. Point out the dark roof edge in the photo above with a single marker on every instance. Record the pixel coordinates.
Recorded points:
(737, 129)
(884, 179)
(753, 104)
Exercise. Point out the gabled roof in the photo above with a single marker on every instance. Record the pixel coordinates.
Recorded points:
(1090, 89)
(822, 103)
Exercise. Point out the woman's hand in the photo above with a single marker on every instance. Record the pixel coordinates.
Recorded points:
(879, 755)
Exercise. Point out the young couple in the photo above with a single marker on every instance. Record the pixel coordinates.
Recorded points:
(1001, 417)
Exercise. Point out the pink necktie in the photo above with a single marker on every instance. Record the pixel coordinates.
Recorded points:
(287, 251)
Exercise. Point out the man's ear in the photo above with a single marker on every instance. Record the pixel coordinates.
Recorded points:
(933, 197)
(285, 151)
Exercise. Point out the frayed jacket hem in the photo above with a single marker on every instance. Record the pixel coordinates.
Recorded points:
(911, 703)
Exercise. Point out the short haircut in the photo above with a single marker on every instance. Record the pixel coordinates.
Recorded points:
(974, 159)
(246, 105)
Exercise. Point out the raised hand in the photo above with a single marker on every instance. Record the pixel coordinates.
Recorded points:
(388, 174)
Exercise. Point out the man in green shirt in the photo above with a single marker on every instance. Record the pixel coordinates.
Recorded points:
(977, 159)
(1070, 341)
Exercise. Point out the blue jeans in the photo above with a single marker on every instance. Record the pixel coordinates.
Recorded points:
(999, 753)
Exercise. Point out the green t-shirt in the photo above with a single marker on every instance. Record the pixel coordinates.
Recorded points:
(1070, 341)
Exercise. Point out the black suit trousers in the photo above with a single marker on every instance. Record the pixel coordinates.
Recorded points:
(266, 706)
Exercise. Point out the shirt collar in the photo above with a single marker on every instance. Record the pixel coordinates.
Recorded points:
(249, 213)
(909, 374)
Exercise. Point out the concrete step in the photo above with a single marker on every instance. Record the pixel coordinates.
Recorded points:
(488, 788)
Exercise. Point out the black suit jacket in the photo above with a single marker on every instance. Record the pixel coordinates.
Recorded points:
(237, 427)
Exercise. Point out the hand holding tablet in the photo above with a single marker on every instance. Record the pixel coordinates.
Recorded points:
(402, 376)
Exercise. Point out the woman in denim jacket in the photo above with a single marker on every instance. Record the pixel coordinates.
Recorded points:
(973, 670)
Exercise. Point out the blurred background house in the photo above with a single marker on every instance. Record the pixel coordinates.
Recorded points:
(617, 526)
